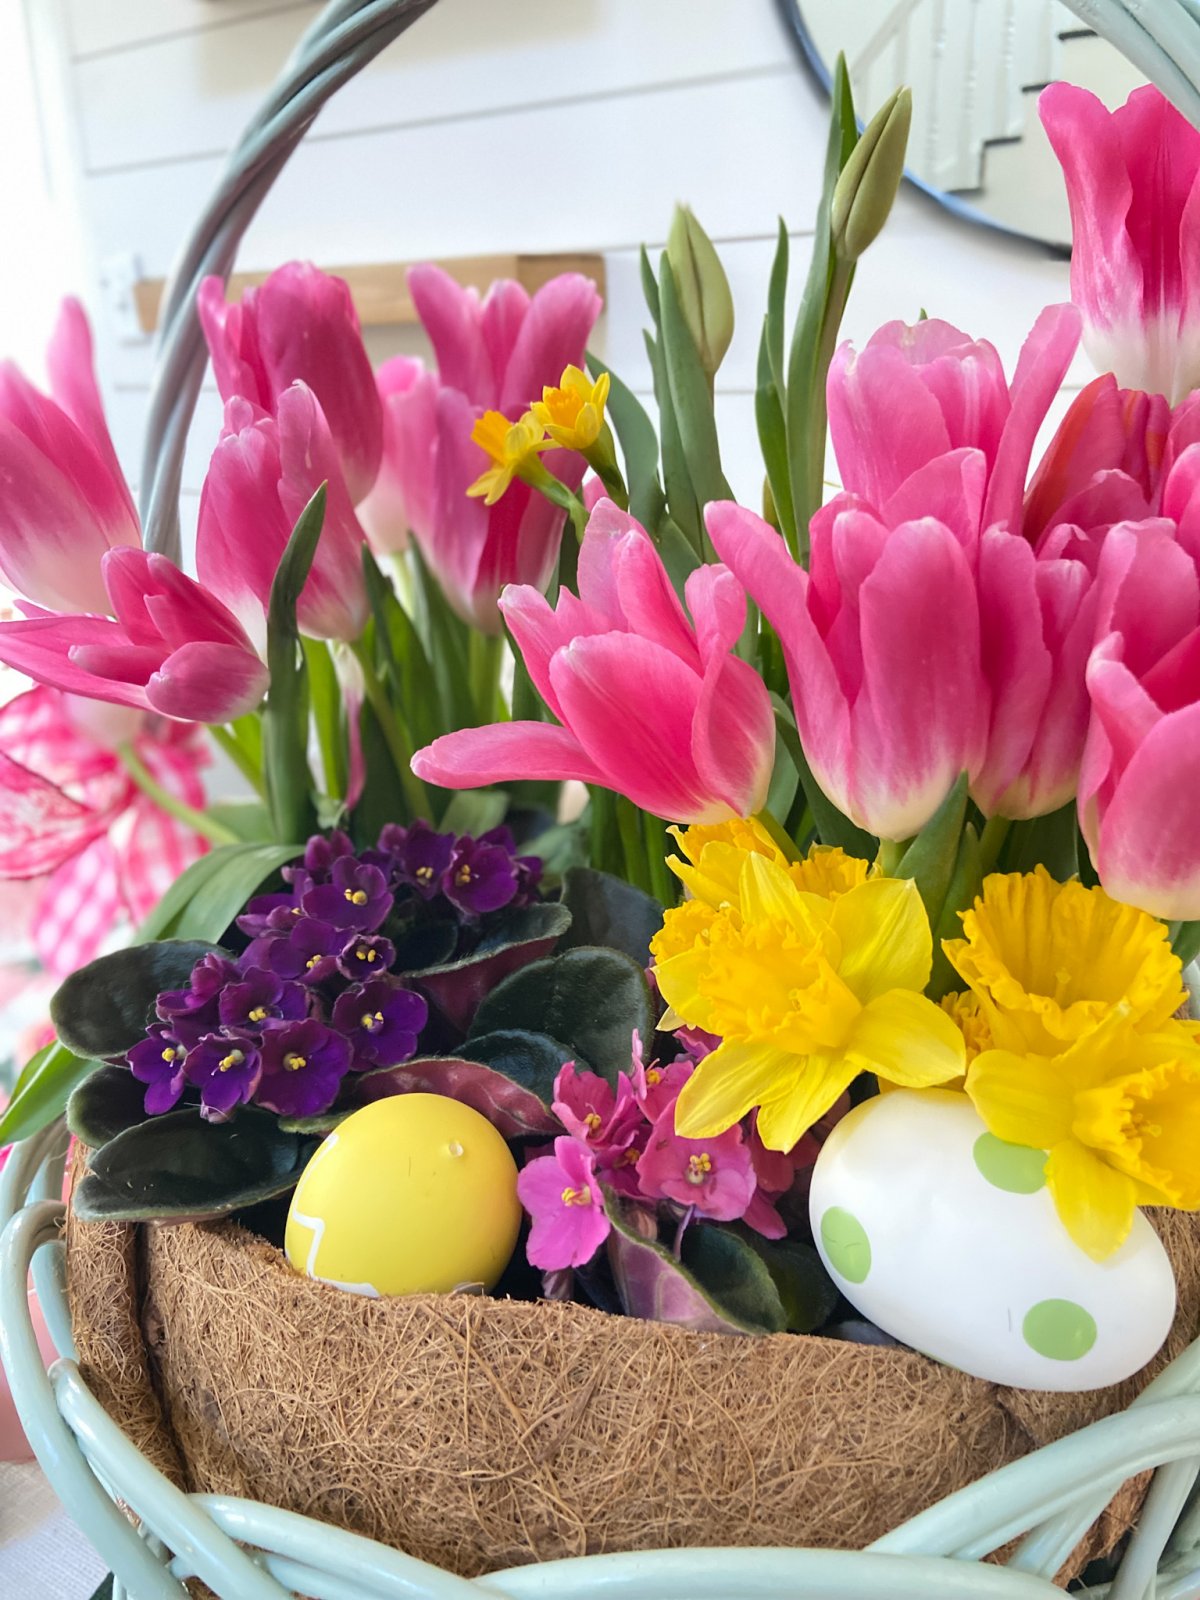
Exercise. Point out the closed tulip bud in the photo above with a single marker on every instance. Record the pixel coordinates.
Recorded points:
(703, 288)
(866, 190)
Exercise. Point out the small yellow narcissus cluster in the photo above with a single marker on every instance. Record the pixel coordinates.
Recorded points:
(1076, 995)
(570, 416)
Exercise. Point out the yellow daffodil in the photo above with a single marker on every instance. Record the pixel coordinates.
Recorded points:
(573, 414)
(825, 870)
(1118, 1113)
(966, 1012)
(1050, 961)
(513, 447)
(805, 990)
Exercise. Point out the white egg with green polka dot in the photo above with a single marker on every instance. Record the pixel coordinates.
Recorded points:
(947, 1239)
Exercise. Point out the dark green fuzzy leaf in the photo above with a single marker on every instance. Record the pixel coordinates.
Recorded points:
(588, 999)
(609, 912)
(807, 1292)
(206, 898)
(721, 1286)
(105, 1104)
(533, 1060)
(315, 1127)
(177, 1168)
(457, 987)
(41, 1093)
(285, 714)
(930, 859)
(514, 1111)
(102, 1009)
(421, 944)
(833, 826)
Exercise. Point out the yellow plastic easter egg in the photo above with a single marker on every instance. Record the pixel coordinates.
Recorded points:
(413, 1194)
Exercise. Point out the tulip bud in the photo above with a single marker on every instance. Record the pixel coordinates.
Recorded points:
(703, 288)
(868, 183)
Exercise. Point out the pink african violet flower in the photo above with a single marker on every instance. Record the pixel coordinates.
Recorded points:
(714, 1175)
(881, 638)
(1131, 178)
(657, 1087)
(606, 1120)
(65, 501)
(263, 473)
(72, 818)
(563, 1198)
(651, 704)
(494, 354)
(914, 393)
(1141, 765)
(173, 647)
(402, 499)
(299, 325)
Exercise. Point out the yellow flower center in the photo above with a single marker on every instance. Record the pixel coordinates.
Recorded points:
(577, 1197)
(235, 1058)
(425, 874)
(573, 413)
(311, 962)
(699, 1167)
(372, 1021)
(367, 955)
(169, 1054)
(592, 1120)
(257, 1014)
(356, 897)
(653, 1077)
(463, 876)
(293, 1062)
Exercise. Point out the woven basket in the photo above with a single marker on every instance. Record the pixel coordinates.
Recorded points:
(480, 1434)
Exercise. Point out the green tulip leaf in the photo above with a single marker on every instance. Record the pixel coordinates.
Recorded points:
(42, 1091)
(102, 1010)
(930, 858)
(206, 898)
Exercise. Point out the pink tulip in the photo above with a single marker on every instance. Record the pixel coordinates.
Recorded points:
(1131, 178)
(300, 325)
(494, 354)
(263, 473)
(64, 500)
(401, 500)
(914, 393)
(98, 850)
(173, 647)
(1141, 767)
(882, 640)
(650, 704)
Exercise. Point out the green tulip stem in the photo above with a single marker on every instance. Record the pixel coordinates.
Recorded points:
(780, 836)
(991, 842)
(207, 827)
(485, 654)
(891, 853)
(396, 735)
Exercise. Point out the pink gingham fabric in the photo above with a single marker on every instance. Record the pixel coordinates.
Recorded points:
(71, 814)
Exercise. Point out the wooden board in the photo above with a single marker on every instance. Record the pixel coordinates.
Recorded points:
(380, 291)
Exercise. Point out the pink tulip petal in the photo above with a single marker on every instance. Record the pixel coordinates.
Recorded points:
(206, 682)
(537, 633)
(504, 753)
(505, 307)
(553, 335)
(232, 345)
(1015, 659)
(455, 546)
(1148, 590)
(71, 368)
(42, 649)
(1123, 715)
(453, 319)
(950, 489)
(1045, 356)
(874, 462)
(1147, 851)
(648, 758)
(402, 498)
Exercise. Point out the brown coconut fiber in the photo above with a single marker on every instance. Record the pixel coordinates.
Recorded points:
(480, 1434)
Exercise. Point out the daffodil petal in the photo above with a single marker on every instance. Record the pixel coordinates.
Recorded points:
(769, 895)
(884, 930)
(1095, 1202)
(786, 1116)
(1024, 1099)
(908, 1040)
(726, 1085)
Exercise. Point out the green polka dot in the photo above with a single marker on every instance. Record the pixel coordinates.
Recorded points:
(846, 1244)
(1059, 1329)
(1014, 1167)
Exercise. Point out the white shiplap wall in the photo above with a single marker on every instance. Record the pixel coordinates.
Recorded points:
(493, 127)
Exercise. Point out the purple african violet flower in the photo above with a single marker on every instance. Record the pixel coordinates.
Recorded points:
(192, 1012)
(563, 1199)
(225, 1067)
(307, 953)
(158, 1062)
(479, 878)
(366, 955)
(303, 1064)
(323, 849)
(382, 1020)
(421, 857)
(356, 898)
(267, 912)
(716, 1175)
(258, 998)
